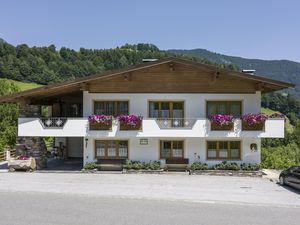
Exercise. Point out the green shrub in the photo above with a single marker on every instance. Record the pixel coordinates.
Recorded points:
(250, 167)
(133, 165)
(137, 165)
(280, 157)
(226, 166)
(152, 165)
(199, 166)
(90, 166)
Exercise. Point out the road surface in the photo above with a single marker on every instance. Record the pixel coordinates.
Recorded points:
(79, 199)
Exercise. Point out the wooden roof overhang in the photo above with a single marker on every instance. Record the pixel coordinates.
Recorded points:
(170, 75)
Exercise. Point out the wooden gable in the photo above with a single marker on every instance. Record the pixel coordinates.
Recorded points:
(169, 75)
(172, 78)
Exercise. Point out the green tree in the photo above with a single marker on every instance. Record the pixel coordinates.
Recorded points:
(8, 115)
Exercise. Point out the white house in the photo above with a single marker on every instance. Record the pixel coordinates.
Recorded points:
(174, 97)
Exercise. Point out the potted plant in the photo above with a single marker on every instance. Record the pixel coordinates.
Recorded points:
(221, 122)
(277, 115)
(130, 122)
(253, 121)
(100, 122)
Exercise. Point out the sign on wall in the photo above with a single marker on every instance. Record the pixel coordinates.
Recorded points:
(143, 141)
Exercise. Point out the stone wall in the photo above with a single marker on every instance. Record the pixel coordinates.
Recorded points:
(32, 146)
(27, 110)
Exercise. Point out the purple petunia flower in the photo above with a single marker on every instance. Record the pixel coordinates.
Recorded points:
(221, 119)
(254, 118)
(103, 119)
(131, 120)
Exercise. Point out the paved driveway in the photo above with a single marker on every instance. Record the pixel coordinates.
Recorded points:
(174, 187)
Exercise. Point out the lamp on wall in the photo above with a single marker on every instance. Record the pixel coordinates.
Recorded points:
(86, 142)
(253, 147)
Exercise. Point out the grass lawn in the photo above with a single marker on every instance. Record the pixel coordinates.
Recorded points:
(25, 86)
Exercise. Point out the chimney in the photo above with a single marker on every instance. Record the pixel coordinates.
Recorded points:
(149, 60)
(250, 72)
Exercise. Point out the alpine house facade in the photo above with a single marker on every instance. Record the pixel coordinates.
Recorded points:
(180, 112)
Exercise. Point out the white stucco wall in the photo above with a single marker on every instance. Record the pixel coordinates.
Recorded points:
(192, 148)
(195, 106)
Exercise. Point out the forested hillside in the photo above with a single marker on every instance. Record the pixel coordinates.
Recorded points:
(46, 65)
(284, 70)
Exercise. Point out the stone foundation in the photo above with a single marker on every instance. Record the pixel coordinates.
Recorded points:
(33, 147)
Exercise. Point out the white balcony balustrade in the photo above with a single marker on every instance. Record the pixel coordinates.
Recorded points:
(164, 128)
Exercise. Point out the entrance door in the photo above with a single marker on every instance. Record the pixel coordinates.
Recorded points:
(75, 147)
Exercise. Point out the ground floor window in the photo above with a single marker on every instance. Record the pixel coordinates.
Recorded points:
(227, 150)
(111, 149)
(171, 149)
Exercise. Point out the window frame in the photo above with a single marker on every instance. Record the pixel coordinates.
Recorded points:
(106, 149)
(217, 142)
(115, 106)
(228, 102)
(171, 153)
(170, 107)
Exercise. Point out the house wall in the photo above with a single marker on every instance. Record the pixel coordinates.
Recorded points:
(195, 104)
(195, 107)
(193, 147)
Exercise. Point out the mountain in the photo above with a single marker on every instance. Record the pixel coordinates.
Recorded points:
(283, 70)
(2, 40)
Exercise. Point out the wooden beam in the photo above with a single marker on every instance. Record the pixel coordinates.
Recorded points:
(260, 86)
(171, 67)
(84, 87)
(127, 76)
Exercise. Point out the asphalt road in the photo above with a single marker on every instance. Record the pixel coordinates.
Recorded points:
(50, 198)
(63, 209)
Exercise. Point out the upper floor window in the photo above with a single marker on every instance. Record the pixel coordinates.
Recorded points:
(224, 107)
(114, 108)
(166, 109)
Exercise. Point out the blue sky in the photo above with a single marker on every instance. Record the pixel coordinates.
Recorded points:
(255, 28)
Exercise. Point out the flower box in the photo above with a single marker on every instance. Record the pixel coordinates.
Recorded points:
(130, 122)
(254, 127)
(221, 122)
(100, 122)
(21, 163)
(124, 126)
(100, 126)
(216, 126)
(252, 121)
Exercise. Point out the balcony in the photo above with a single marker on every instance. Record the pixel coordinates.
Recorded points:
(52, 127)
(166, 128)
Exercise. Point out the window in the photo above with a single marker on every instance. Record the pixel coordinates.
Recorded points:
(228, 150)
(114, 108)
(111, 149)
(296, 169)
(171, 149)
(224, 107)
(166, 109)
